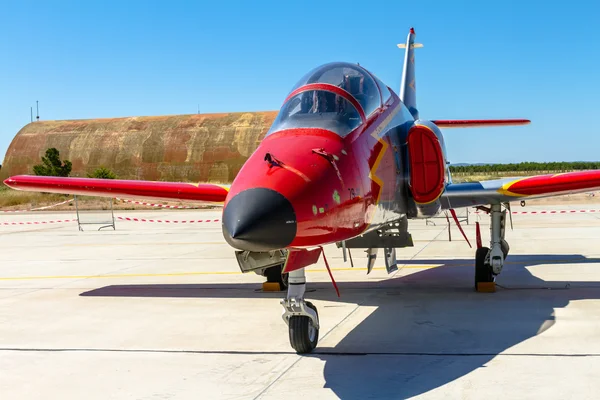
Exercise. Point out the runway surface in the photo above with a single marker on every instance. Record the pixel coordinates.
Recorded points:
(160, 311)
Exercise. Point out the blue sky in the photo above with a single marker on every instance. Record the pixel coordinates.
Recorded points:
(501, 59)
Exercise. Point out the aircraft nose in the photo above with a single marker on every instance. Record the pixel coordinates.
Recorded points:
(259, 219)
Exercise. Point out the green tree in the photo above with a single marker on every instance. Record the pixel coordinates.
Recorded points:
(52, 165)
(102, 173)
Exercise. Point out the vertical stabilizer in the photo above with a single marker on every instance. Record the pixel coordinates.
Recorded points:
(408, 90)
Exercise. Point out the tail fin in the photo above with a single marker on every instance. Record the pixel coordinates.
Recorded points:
(408, 90)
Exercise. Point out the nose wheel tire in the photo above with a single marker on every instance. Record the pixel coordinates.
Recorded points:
(483, 271)
(304, 335)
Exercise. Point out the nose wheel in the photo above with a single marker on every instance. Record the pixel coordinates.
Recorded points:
(304, 333)
(301, 316)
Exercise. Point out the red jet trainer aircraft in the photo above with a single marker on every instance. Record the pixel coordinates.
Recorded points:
(346, 161)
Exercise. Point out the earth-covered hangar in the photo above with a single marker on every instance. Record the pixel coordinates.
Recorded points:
(195, 147)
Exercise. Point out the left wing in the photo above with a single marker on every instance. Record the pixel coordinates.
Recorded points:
(515, 189)
(204, 192)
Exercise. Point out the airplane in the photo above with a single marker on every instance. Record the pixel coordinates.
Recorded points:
(346, 161)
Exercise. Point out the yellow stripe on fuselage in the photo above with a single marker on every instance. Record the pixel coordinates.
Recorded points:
(505, 189)
(384, 146)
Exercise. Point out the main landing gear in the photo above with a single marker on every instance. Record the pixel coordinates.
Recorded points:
(301, 316)
(489, 261)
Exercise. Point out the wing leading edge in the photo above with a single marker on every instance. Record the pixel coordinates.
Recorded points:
(516, 189)
(473, 123)
(203, 192)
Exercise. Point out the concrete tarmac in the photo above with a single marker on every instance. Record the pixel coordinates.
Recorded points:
(160, 311)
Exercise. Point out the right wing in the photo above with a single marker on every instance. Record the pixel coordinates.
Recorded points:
(505, 190)
(473, 123)
(204, 192)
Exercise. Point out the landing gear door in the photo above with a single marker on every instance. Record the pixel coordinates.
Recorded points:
(391, 265)
(260, 260)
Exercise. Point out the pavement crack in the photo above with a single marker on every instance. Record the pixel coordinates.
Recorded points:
(270, 385)
(314, 354)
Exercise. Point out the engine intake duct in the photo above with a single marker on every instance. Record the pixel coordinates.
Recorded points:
(427, 164)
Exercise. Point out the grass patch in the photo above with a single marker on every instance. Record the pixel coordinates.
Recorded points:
(11, 198)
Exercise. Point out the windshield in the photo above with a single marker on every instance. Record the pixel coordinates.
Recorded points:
(352, 78)
(317, 109)
(385, 92)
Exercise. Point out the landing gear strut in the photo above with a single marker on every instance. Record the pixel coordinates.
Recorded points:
(489, 261)
(301, 316)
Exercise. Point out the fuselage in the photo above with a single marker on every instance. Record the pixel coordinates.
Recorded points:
(332, 167)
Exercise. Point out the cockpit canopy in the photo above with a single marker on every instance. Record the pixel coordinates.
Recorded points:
(336, 96)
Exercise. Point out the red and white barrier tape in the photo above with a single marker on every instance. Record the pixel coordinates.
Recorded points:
(39, 208)
(167, 221)
(155, 204)
(549, 212)
(556, 212)
(38, 222)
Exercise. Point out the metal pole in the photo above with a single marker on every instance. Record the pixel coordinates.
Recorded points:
(77, 210)
(112, 212)
(31, 114)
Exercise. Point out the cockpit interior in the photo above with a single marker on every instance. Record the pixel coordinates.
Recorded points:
(338, 97)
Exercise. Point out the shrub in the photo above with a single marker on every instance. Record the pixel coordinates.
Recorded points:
(102, 173)
(52, 165)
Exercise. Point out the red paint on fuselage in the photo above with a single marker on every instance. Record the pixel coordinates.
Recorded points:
(334, 190)
(323, 205)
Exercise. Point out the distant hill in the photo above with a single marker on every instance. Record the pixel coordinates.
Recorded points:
(525, 167)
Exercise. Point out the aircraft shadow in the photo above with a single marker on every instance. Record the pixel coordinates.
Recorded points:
(428, 328)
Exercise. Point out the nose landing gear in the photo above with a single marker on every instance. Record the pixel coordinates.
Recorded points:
(304, 332)
(301, 316)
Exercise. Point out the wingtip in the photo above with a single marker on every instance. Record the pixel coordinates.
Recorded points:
(9, 181)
